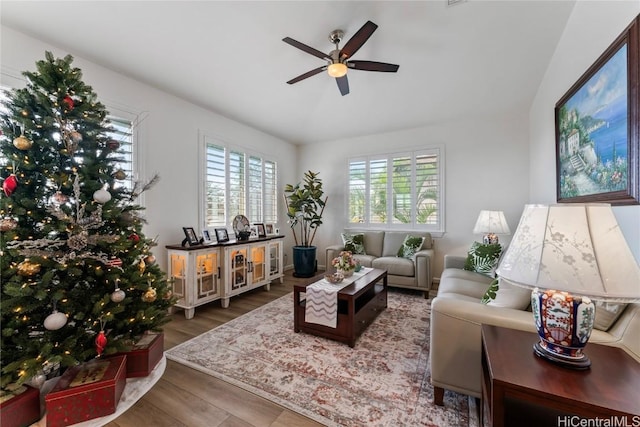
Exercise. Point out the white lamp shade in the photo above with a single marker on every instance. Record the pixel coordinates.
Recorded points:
(577, 248)
(491, 222)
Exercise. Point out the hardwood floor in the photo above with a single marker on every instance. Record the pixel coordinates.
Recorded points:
(186, 397)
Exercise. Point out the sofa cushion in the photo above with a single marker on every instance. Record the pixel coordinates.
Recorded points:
(395, 266)
(373, 241)
(483, 258)
(410, 245)
(458, 273)
(511, 296)
(365, 260)
(393, 240)
(354, 243)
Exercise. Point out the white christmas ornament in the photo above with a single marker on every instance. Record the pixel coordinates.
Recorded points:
(55, 321)
(102, 196)
(118, 295)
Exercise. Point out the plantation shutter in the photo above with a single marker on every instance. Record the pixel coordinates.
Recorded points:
(270, 193)
(215, 186)
(378, 191)
(357, 190)
(236, 184)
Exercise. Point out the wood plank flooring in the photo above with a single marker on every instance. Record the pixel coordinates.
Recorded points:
(186, 397)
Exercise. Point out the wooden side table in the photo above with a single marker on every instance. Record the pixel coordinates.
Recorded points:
(520, 389)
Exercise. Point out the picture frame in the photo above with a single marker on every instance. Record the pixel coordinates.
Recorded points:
(206, 236)
(270, 229)
(261, 230)
(190, 237)
(221, 235)
(597, 128)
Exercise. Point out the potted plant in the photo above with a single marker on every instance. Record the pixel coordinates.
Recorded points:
(305, 206)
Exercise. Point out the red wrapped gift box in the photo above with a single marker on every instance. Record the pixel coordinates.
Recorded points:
(87, 391)
(145, 355)
(22, 409)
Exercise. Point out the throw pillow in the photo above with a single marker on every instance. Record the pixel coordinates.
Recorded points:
(606, 314)
(490, 295)
(483, 258)
(353, 243)
(410, 246)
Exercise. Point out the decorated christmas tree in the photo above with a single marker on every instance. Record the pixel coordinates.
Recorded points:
(78, 277)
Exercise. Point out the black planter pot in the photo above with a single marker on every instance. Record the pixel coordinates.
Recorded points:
(304, 261)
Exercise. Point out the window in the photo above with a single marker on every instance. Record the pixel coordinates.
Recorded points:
(123, 133)
(401, 190)
(238, 183)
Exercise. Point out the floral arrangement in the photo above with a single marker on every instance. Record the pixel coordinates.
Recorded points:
(345, 261)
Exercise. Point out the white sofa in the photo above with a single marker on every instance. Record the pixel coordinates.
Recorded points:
(457, 315)
(381, 248)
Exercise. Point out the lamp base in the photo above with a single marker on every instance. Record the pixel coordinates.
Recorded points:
(581, 362)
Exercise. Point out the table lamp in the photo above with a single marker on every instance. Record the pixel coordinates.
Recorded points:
(491, 223)
(568, 255)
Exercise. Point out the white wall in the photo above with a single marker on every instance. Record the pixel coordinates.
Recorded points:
(486, 168)
(592, 27)
(168, 137)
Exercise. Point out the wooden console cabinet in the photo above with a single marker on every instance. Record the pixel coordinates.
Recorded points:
(204, 273)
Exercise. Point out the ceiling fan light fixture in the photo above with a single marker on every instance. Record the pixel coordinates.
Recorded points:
(337, 69)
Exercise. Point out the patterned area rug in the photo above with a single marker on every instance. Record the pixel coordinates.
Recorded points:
(383, 381)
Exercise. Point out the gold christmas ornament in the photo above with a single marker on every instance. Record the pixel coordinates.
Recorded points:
(8, 224)
(120, 174)
(60, 198)
(168, 295)
(76, 137)
(22, 143)
(150, 295)
(28, 268)
(142, 266)
(150, 260)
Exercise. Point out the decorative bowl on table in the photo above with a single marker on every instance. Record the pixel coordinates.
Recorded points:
(334, 278)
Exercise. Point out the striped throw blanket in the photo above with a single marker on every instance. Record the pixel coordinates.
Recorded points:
(322, 300)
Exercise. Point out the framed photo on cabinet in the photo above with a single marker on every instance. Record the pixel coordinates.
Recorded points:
(221, 235)
(190, 237)
(206, 237)
(261, 230)
(270, 229)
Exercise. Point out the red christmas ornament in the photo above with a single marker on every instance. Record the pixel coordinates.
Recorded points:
(101, 343)
(134, 238)
(68, 102)
(10, 184)
(113, 145)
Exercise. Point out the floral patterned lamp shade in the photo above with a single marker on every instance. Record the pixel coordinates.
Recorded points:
(491, 223)
(569, 254)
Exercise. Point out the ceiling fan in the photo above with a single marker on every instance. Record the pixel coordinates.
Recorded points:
(339, 60)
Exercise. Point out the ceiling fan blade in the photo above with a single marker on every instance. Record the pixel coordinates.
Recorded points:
(343, 85)
(307, 74)
(373, 66)
(358, 39)
(306, 48)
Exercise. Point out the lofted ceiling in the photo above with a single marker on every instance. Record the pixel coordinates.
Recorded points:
(480, 58)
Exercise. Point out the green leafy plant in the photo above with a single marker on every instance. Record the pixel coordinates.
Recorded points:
(305, 206)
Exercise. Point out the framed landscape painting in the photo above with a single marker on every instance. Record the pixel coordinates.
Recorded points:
(597, 129)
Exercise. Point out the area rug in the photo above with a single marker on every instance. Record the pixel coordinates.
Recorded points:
(383, 381)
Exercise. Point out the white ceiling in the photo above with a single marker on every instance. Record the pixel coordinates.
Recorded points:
(474, 58)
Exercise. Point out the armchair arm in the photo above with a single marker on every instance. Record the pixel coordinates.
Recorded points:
(332, 252)
(424, 270)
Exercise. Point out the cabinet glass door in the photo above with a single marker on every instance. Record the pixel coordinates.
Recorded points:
(239, 268)
(258, 264)
(179, 274)
(274, 258)
(207, 269)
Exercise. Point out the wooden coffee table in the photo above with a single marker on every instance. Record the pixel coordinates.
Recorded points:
(359, 303)
(519, 388)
